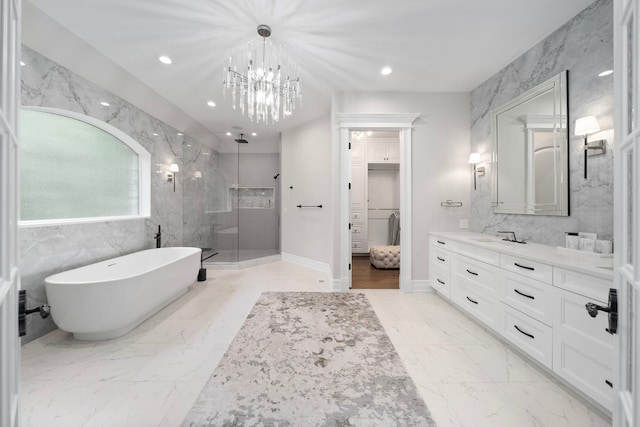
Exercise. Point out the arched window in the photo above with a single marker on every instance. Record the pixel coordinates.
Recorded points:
(75, 168)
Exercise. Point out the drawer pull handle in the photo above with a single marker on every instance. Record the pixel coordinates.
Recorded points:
(523, 266)
(609, 383)
(524, 295)
(472, 272)
(440, 281)
(475, 302)
(441, 242)
(440, 259)
(523, 332)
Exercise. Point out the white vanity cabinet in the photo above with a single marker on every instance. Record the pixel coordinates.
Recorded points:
(583, 349)
(440, 267)
(531, 299)
(475, 288)
(526, 294)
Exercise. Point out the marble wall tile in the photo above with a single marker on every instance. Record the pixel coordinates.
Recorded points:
(49, 250)
(584, 46)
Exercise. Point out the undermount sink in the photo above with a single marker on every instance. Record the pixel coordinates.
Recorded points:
(607, 268)
(484, 240)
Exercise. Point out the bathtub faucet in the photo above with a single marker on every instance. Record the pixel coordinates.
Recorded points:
(158, 238)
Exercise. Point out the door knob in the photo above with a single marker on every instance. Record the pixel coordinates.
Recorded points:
(44, 311)
(611, 309)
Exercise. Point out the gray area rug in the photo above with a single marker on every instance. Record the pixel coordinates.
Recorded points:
(310, 359)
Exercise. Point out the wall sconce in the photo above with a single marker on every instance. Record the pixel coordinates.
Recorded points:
(171, 177)
(585, 126)
(474, 159)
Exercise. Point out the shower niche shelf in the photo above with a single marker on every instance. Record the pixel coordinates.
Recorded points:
(252, 197)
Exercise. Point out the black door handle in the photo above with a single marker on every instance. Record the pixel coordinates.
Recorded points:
(440, 259)
(441, 242)
(23, 312)
(472, 272)
(440, 281)
(611, 309)
(475, 302)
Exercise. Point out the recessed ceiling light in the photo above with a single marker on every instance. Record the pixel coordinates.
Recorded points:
(155, 134)
(386, 71)
(104, 103)
(228, 133)
(180, 134)
(22, 64)
(205, 153)
(605, 73)
(254, 134)
(211, 103)
(165, 59)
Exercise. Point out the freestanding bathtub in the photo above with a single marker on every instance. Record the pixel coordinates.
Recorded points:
(109, 298)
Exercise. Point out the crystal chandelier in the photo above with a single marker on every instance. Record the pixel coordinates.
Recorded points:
(271, 86)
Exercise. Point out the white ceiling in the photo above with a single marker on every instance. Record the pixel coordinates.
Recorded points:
(432, 45)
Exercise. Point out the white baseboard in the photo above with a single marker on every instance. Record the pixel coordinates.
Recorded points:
(422, 286)
(322, 267)
(336, 285)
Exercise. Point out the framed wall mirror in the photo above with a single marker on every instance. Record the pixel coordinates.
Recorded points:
(530, 153)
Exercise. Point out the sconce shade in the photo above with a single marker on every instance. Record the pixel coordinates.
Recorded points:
(474, 158)
(587, 125)
(174, 167)
(197, 174)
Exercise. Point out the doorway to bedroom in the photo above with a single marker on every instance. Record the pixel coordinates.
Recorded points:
(375, 209)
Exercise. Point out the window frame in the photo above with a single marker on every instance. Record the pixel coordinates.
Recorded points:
(144, 172)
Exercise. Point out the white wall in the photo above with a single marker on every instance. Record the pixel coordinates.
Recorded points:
(306, 165)
(440, 154)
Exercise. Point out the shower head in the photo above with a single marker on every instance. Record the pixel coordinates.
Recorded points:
(241, 140)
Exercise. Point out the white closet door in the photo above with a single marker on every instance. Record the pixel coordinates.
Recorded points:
(627, 213)
(9, 273)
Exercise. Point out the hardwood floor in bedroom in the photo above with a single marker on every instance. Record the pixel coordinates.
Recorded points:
(366, 276)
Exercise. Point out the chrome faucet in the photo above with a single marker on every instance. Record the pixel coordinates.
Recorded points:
(158, 238)
(511, 237)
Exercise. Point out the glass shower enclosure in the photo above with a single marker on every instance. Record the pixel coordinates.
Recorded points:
(231, 203)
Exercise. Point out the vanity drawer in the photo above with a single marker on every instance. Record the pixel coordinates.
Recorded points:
(356, 245)
(530, 296)
(357, 215)
(533, 337)
(481, 277)
(440, 242)
(583, 350)
(571, 322)
(440, 258)
(483, 307)
(587, 372)
(440, 281)
(583, 284)
(356, 230)
(485, 255)
(533, 269)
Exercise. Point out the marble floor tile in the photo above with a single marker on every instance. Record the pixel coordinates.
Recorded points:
(153, 375)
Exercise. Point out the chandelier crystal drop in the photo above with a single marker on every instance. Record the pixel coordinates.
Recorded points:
(270, 88)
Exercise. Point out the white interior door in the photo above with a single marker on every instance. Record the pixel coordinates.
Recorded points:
(627, 213)
(9, 274)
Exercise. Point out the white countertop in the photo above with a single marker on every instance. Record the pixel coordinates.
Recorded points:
(589, 264)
